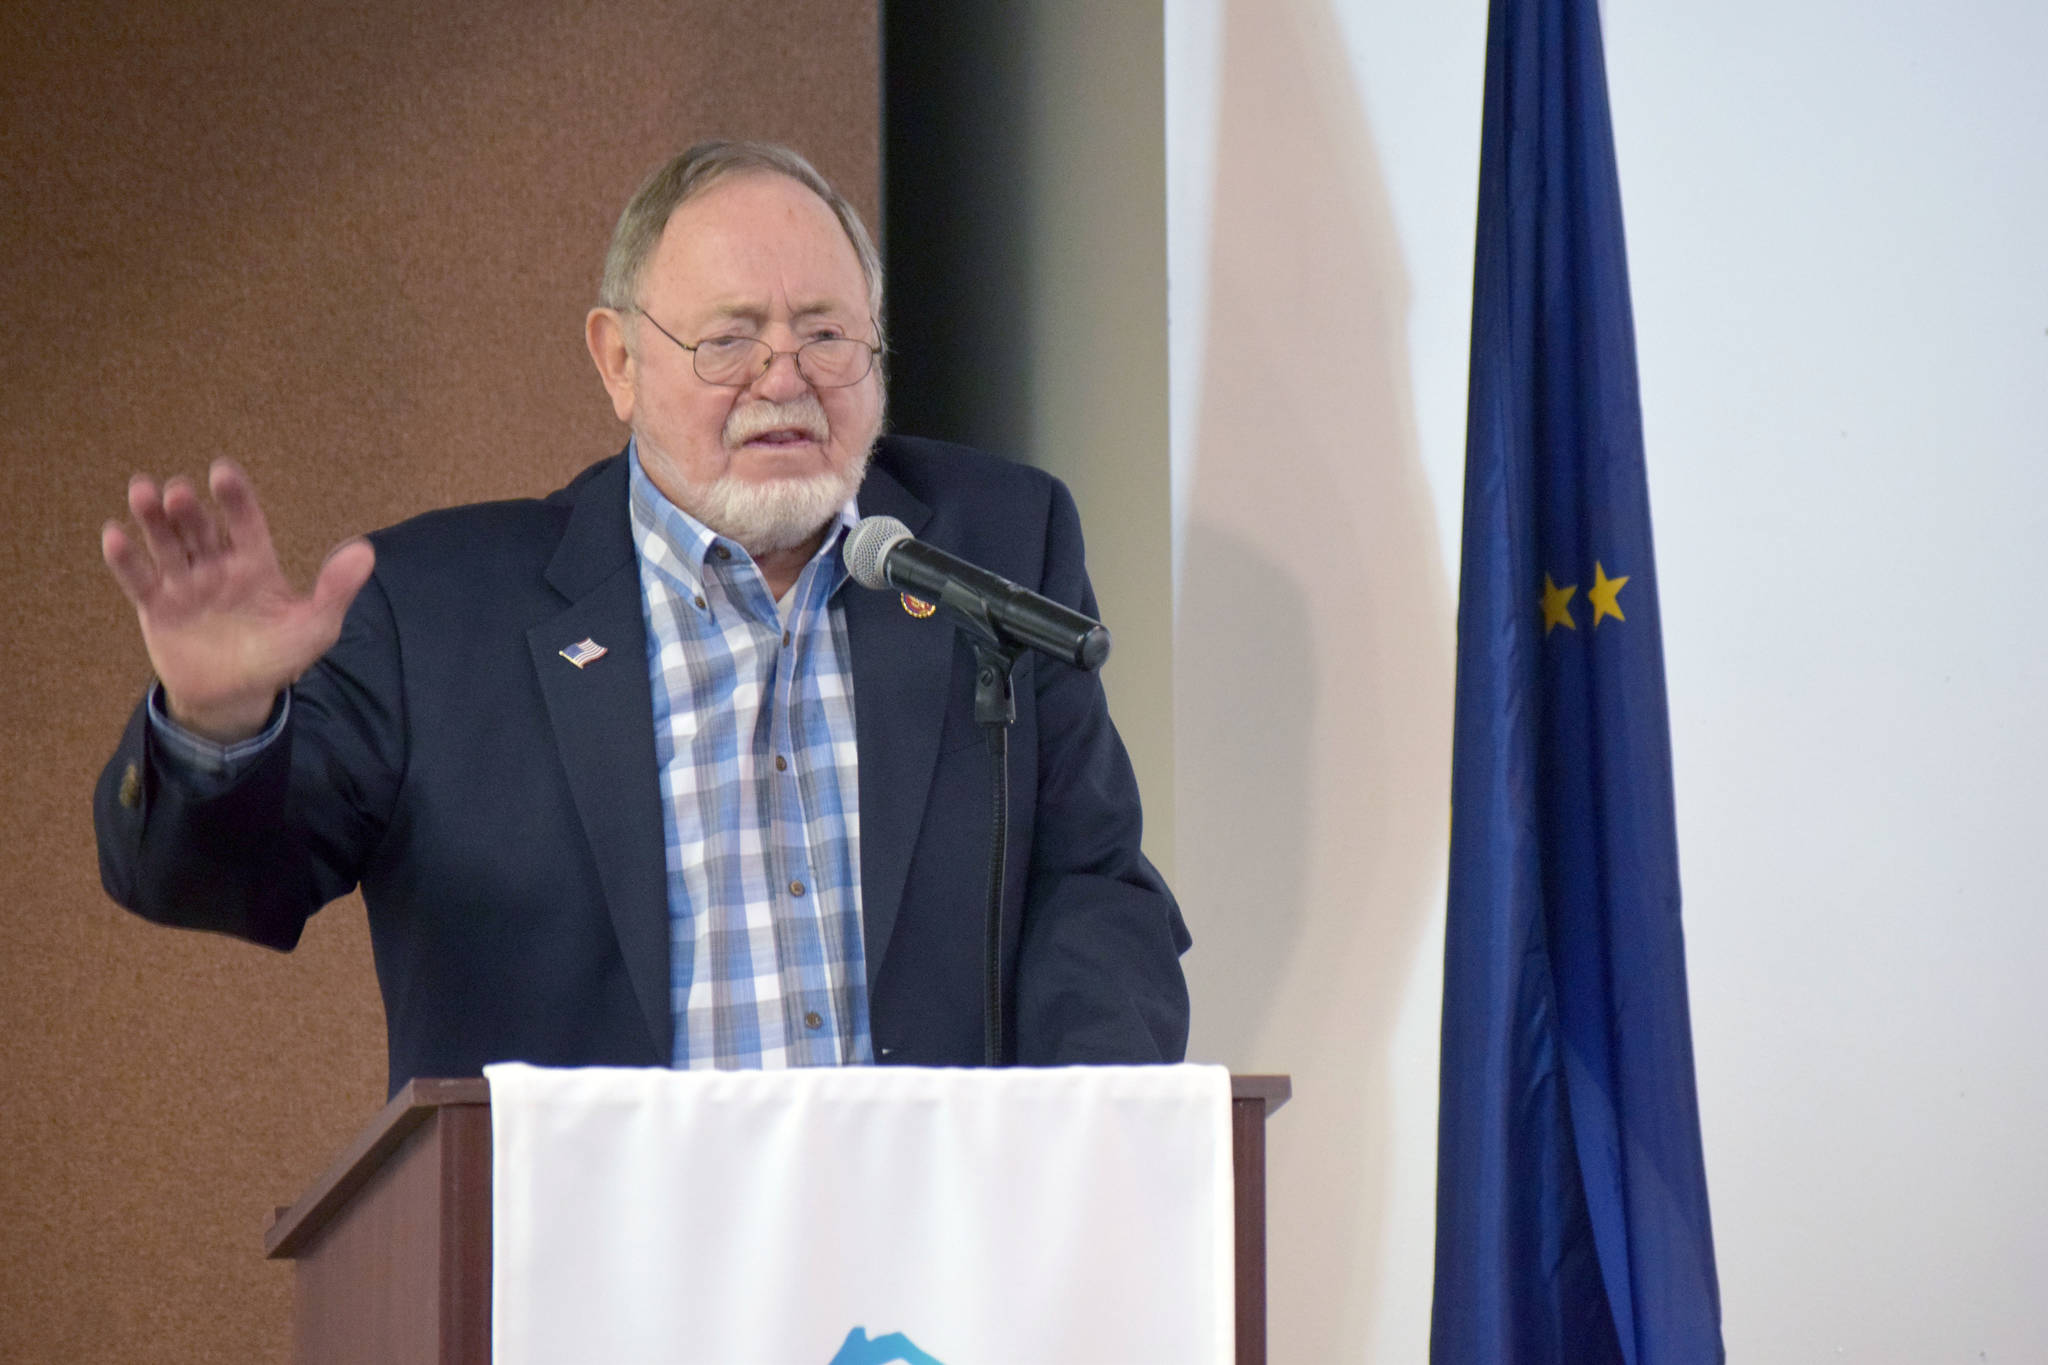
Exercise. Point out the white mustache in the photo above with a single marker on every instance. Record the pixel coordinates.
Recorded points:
(805, 414)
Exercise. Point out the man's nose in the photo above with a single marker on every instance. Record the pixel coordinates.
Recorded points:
(782, 381)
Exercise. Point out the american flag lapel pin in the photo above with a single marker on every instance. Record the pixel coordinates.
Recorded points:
(584, 651)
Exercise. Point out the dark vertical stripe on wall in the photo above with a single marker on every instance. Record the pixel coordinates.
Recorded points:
(954, 205)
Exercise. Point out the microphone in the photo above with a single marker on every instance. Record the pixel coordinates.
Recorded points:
(880, 553)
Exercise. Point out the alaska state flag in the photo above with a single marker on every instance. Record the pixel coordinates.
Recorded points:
(1572, 1221)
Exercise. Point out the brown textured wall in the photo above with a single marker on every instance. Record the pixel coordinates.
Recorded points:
(351, 243)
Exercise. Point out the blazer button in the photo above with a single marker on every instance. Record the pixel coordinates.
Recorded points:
(131, 787)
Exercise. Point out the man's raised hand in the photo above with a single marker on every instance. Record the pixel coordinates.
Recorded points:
(224, 630)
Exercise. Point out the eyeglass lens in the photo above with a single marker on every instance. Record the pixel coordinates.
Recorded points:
(826, 362)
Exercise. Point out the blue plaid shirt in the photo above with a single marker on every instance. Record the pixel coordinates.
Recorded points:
(754, 744)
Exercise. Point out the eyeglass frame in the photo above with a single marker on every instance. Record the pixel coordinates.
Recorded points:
(797, 356)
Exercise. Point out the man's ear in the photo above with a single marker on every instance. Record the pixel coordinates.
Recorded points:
(604, 331)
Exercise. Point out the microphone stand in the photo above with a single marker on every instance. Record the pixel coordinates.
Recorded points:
(973, 600)
(995, 710)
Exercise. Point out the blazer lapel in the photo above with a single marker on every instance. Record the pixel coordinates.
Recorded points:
(602, 716)
(901, 669)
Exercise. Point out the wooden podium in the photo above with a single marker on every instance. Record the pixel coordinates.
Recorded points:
(393, 1241)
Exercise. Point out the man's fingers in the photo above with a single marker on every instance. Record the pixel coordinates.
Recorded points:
(131, 565)
(242, 522)
(207, 583)
(145, 504)
(189, 518)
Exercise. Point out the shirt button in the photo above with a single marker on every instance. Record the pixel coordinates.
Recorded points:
(699, 600)
(721, 552)
(785, 639)
(796, 888)
(814, 1020)
(781, 764)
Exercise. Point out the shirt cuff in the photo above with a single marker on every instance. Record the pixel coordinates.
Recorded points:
(198, 755)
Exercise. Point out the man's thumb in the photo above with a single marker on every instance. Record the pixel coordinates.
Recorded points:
(347, 568)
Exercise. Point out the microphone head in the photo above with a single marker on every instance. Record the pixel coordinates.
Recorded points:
(868, 544)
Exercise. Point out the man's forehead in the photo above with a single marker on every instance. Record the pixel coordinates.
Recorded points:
(757, 233)
(753, 308)
(759, 207)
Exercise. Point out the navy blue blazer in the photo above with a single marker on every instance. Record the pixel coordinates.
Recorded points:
(500, 811)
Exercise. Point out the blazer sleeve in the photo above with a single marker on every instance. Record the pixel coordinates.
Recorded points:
(257, 856)
(1098, 977)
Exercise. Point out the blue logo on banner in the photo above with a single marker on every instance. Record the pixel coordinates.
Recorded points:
(883, 1350)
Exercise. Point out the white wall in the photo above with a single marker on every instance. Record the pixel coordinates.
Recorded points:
(1836, 227)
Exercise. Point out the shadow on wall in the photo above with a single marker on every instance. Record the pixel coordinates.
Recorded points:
(1314, 659)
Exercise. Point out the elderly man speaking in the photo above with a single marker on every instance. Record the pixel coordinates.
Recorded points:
(632, 774)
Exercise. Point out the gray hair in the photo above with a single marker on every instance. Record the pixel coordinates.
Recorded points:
(685, 177)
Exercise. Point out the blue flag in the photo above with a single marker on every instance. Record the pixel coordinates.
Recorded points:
(1572, 1220)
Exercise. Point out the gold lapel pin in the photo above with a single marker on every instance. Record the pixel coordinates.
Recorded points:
(917, 606)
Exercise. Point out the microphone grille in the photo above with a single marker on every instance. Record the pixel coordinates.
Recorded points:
(868, 545)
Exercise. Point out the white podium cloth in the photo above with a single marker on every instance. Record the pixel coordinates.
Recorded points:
(862, 1215)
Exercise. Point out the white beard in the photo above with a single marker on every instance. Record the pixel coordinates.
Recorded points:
(771, 515)
(778, 514)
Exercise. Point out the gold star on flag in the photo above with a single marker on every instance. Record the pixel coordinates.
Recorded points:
(1603, 594)
(1557, 605)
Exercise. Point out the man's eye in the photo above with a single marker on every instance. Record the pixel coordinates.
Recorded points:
(725, 345)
